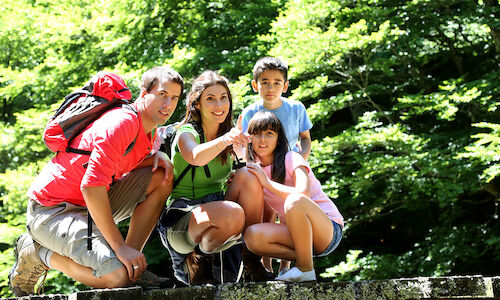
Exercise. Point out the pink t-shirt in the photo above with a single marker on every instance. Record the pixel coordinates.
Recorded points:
(294, 160)
(108, 137)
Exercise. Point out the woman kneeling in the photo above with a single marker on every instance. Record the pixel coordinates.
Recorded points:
(198, 220)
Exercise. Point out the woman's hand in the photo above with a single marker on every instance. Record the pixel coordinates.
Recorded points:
(257, 170)
(236, 135)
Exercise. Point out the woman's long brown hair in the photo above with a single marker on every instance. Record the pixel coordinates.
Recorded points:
(193, 115)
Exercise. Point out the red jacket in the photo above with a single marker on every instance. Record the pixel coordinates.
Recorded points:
(108, 138)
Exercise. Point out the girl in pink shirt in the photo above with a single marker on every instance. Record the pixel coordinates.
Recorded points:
(310, 223)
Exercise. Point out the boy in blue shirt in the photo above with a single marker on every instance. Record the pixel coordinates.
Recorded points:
(270, 81)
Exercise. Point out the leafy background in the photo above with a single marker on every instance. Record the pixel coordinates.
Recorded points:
(404, 97)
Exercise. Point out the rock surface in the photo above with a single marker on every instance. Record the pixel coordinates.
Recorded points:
(456, 287)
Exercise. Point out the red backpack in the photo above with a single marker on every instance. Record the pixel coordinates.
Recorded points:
(103, 91)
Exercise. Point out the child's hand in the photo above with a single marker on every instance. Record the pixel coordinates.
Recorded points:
(257, 170)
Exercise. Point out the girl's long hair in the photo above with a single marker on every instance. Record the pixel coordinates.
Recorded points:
(262, 121)
(193, 115)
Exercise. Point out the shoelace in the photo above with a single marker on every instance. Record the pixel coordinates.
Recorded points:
(34, 274)
(42, 284)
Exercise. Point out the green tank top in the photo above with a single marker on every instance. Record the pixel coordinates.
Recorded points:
(200, 185)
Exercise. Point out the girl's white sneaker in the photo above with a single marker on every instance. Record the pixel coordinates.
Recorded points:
(296, 275)
(283, 271)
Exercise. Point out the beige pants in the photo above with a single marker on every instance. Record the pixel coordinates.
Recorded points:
(63, 228)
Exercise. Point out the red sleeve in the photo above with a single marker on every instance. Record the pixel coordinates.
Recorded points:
(113, 133)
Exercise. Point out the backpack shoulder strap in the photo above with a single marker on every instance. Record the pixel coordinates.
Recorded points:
(131, 146)
(130, 107)
(199, 129)
(87, 152)
(183, 173)
(237, 163)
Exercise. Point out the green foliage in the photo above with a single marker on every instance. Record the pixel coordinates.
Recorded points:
(486, 149)
(22, 142)
(7, 239)
(438, 254)
(19, 167)
(44, 53)
(13, 187)
(469, 101)
(403, 96)
(385, 168)
(214, 34)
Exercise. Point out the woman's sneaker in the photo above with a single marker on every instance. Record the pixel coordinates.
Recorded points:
(28, 267)
(296, 275)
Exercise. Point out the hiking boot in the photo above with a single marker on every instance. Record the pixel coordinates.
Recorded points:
(199, 268)
(150, 280)
(253, 269)
(28, 267)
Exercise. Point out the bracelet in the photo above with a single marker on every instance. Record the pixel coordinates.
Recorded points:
(224, 141)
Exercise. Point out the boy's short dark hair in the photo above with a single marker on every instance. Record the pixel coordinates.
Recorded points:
(151, 77)
(270, 63)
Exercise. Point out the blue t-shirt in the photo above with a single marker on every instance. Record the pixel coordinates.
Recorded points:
(292, 115)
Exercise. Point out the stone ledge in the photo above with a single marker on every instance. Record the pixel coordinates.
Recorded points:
(495, 283)
(455, 287)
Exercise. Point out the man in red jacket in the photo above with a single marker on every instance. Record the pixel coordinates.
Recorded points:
(112, 185)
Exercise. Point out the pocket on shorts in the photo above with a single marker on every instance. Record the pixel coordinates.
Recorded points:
(41, 215)
(56, 227)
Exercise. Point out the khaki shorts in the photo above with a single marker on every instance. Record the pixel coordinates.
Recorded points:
(178, 235)
(62, 228)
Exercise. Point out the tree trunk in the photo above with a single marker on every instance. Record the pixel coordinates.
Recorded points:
(457, 57)
(495, 30)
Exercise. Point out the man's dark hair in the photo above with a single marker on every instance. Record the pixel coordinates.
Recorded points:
(151, 77)
(270, 63)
